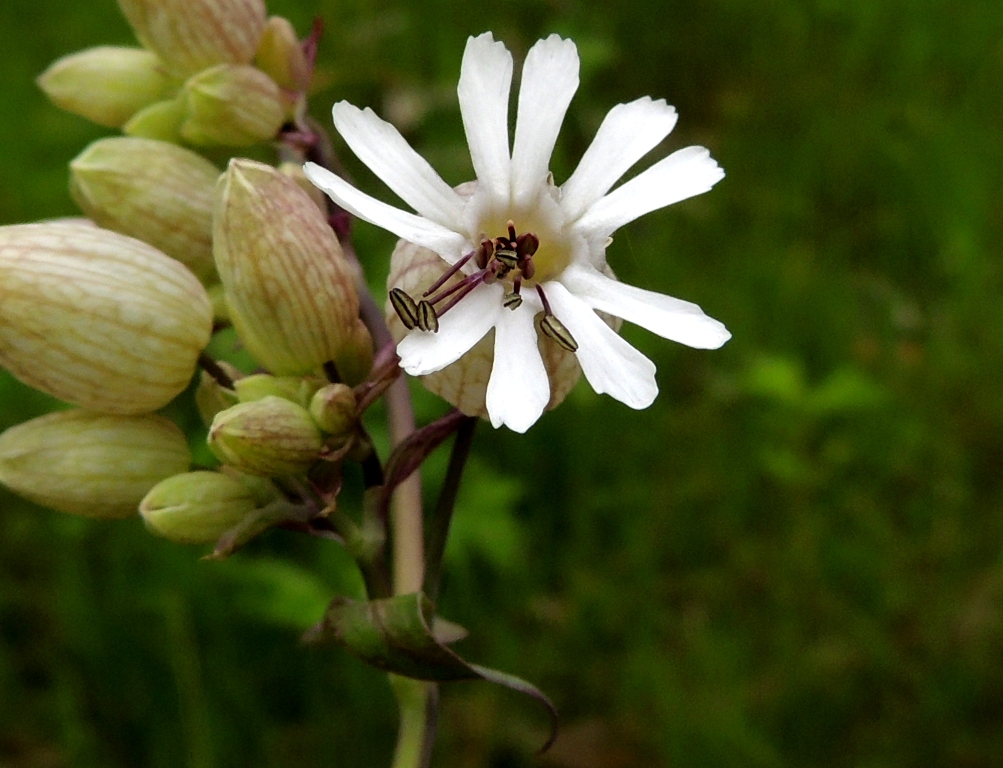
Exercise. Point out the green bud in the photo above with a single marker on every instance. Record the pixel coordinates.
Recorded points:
(260, 385)
(270, 437)
(211, 397)
(151, 190)
(91, 464)
(197, 507)
(161, 121)
(107, 85)
(232, 106)
(355, 360)
(333, 407)
(290, 291)
(191, 35)
(98, 319)
(280, 55)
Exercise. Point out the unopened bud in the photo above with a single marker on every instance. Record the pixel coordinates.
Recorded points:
(91, 464)
(295, 172)
(289, 289)
(161, 121)
(98, 319)
(151, 190)
(211, 397)
(355, 360)
(191, 35)
(333, 407)
(280, 55)
(270, 437)
(464, 383)
(232, 106)
(107, 85)
(296, 389)
(198, 507)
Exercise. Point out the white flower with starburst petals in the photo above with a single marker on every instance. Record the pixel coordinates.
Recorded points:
(522, 245)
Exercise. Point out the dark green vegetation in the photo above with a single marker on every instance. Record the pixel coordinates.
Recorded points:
(792, 559)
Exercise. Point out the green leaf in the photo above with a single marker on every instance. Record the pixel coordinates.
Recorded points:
(395, 635)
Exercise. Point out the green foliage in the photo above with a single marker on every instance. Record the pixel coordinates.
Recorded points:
(791, 559)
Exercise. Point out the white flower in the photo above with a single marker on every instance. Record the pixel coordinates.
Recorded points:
(507, 283)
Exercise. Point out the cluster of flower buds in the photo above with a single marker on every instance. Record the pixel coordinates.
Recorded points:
(210, 72)
(112, 313)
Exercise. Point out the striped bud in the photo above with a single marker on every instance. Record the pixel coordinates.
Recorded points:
(191, 35)
(333, 407)
(151, 190)
(290, 292)
(98, 319)
(270, 437)
(280, 55)
(464, 383)
(199, 507)
(295, 172)
(211, 397)
(232, 106)
(91, 464)
(107, 85)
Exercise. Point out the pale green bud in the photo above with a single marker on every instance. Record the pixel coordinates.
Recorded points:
(91, 464)
(211, 397)
(333, 407)
(197, 507)
(295, 172)
(260, 385)
(356, 358)
(98, 319)
(107, 85)
(161, 121)
(232, 106)
(280, 55)
(191, 35)
(270, 437)
(289, 288)
(151, 190)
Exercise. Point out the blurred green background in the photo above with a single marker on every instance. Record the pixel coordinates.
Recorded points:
(791, 559)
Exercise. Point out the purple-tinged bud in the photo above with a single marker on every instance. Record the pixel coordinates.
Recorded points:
(192, 35)
(271, 437)
(290, 291)
(199, 507)
(280, 56)
(98, 319)
(107, 84)
(232, 106)
(151, 190)
(91, 464)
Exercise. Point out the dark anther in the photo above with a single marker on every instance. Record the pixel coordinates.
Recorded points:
(555, 329)
(405, 308)
(512, 301)
(427, 319)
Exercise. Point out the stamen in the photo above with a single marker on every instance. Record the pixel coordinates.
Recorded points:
(553, 327)
(405, 308)
(448, 274)
(457, 287)
(512, 301)
(427, 318)
(475, 280)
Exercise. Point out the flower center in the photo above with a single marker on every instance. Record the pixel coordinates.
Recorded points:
(509, 259)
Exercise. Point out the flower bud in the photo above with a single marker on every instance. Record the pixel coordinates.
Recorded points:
(295, 172)
(333, 407)
(232, 106)
(355, 360)
(464, 383)
(98, 319)
(91, 464)
(258, 386)
(211, 397)
(280, 55)
(198, 507)
(270, 437)
(151, 190)
(289, 289)
(191, 35)
(107, 85)
(161, 121)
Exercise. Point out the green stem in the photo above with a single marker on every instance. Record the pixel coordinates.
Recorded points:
(419, 706)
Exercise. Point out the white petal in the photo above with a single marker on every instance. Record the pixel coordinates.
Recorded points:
(519, 389)
(380, 146)
(627, 134)
(684, 173)
(549, 80)
(415, 229)
(670, 318)
(423, 352)
(485, 81)
(609, 363)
